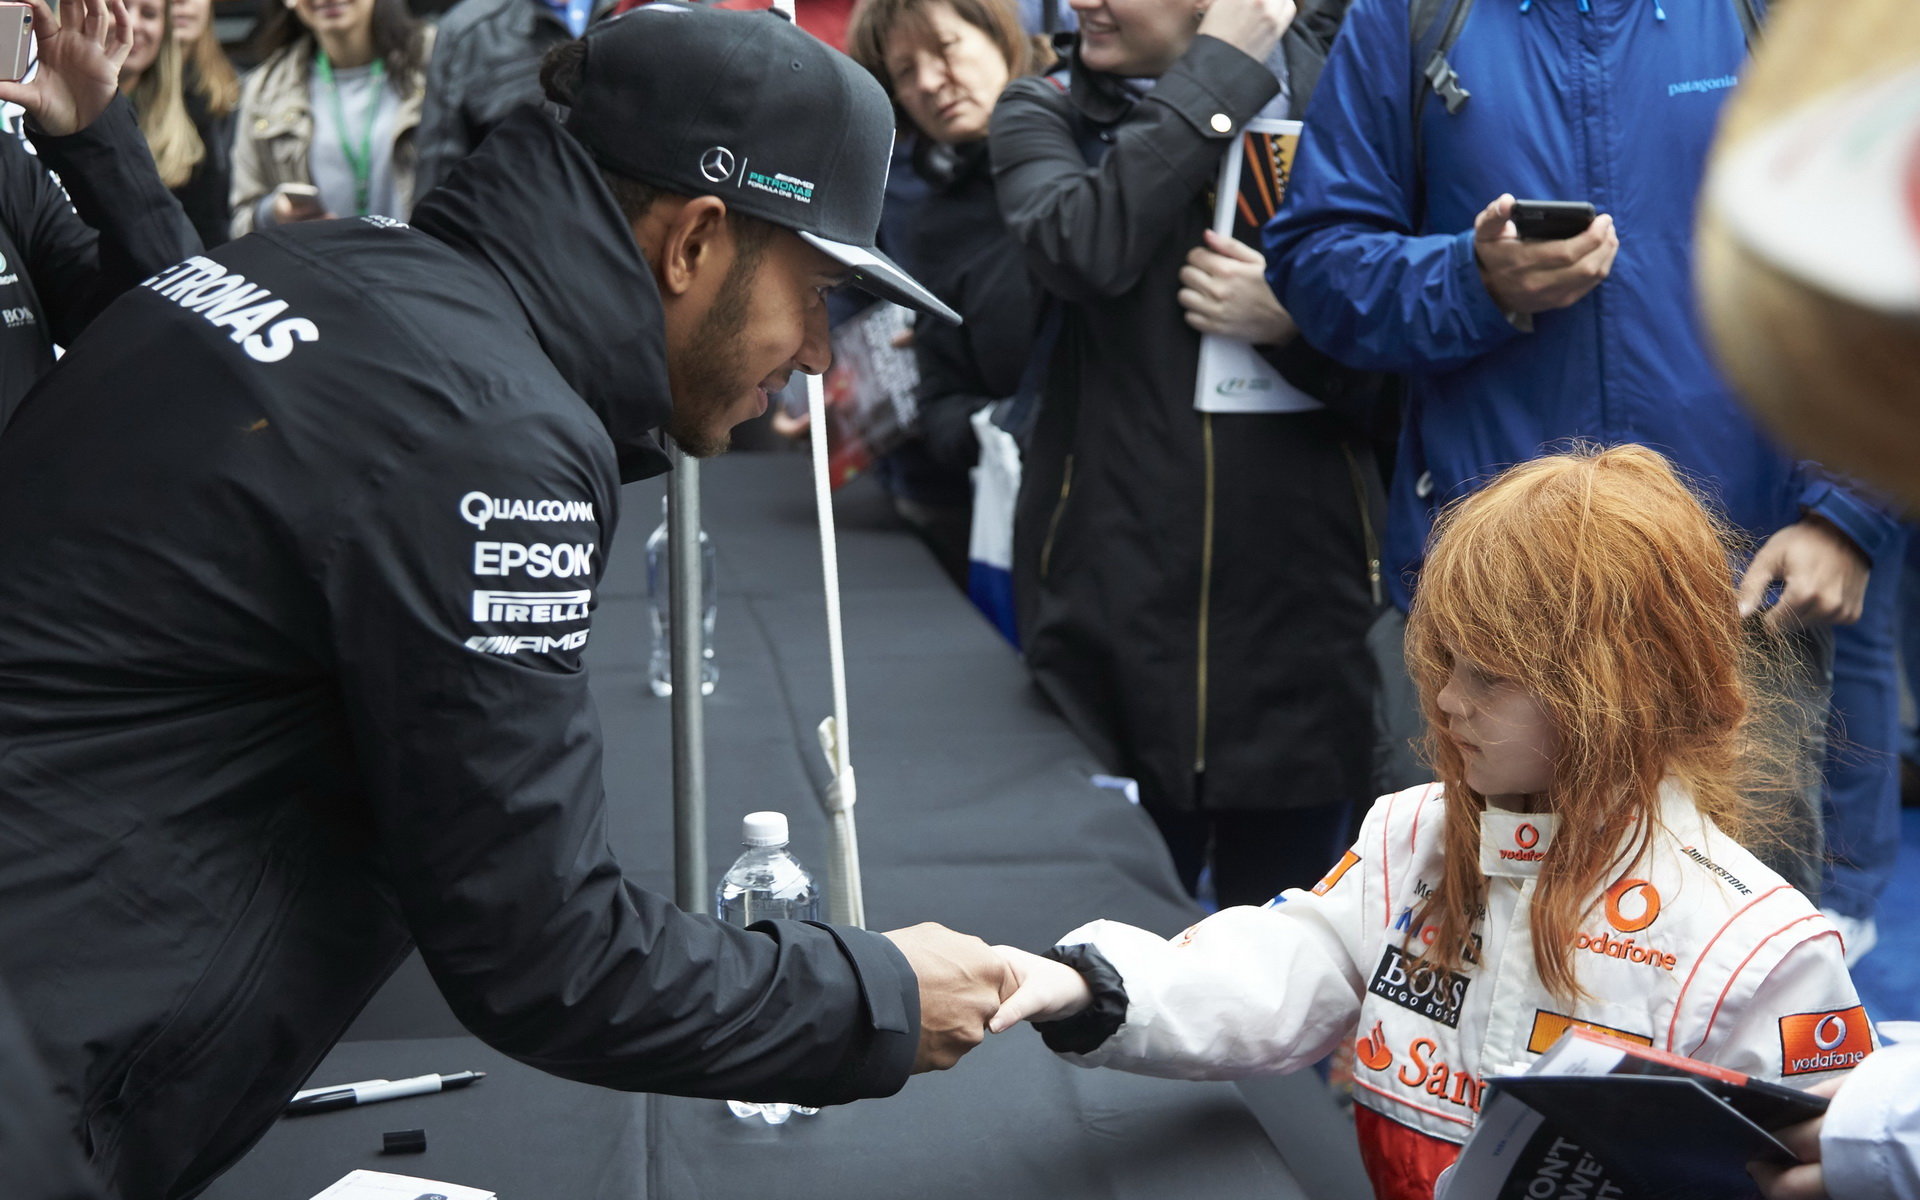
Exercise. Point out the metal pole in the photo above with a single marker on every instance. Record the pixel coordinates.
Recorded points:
(691, 887)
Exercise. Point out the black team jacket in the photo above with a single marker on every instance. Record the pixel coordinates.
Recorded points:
(279, 704)
(64, 256)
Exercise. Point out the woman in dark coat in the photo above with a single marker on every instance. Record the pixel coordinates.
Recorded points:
(1194, 588)
(944, 63)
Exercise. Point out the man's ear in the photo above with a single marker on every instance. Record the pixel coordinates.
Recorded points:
(694, 244)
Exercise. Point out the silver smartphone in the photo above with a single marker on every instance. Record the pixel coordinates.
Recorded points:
(16, 40)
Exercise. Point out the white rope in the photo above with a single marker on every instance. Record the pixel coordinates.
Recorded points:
(845, 904)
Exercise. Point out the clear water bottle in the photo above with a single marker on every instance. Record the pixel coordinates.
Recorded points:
(660, 670)
(766, 883)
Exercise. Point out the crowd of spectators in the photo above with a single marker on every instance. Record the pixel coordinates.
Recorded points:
(1213, 600)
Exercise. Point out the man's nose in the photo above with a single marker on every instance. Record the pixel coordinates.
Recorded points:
(816, 347)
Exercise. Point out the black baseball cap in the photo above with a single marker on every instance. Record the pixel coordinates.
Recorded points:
(747, 107)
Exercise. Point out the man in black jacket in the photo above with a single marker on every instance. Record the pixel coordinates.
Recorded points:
(276, 706)
(59, 267)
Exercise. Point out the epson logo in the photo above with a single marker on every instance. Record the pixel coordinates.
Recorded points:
(539, 645)
(531, 608)
(1419, 988)
(538, 561)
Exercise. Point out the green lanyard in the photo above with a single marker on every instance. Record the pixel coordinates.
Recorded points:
(360, 157)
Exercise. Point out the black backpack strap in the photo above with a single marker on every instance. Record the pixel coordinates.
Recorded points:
(1433, 26)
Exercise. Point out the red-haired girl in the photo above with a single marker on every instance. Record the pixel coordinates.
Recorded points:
(1583, 672)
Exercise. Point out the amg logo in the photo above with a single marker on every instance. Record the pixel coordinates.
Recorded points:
(531, 608)
(1419, 988)
(539, 645)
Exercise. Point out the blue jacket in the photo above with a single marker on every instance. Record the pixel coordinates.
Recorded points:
(1617, 106)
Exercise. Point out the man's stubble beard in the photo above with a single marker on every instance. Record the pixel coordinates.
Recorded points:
(709, 378)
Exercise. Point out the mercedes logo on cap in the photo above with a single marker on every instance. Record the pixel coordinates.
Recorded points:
(716, 163)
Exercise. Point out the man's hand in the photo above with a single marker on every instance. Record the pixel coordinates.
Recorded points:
(1046, 990)
(1224, 289)
(962, 982)
(1529, 277)
(1804, 1182)
(79, 64)
(1823, 576)
(1254, 26)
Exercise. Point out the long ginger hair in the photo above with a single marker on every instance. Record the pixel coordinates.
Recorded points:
(1598, 582)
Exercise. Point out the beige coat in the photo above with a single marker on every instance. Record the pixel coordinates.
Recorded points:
(273, 127)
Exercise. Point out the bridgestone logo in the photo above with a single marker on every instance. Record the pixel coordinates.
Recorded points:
(1725, 876)
(531, 608)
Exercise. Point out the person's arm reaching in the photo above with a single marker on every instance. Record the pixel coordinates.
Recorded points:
(480, 752)
(128, 225)
(1090, 232)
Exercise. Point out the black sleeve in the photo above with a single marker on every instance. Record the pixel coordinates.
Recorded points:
(460, 663)
(442, 139)
(128, 225)
(1090, 232)
(1086, 1030)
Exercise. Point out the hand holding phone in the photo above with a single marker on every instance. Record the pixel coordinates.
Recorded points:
(1526, 276)
(298, 202)
(79, 59)
(1551, 220)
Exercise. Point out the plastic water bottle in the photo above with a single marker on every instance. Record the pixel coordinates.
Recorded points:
(766, 883)
(660, 670)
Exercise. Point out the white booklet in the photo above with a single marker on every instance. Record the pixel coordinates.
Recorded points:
(378, 1185)
(1233, 378)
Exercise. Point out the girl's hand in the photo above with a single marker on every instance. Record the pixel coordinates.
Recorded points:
(1044, 990)
(1224, 289)
(79, 64)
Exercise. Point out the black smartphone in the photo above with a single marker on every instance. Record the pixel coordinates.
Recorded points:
(1551, 220)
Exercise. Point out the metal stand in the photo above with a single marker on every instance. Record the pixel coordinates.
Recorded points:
(691, 887)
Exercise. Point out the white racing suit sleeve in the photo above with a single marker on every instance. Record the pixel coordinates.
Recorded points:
(1247, 991)
(1870, 1140)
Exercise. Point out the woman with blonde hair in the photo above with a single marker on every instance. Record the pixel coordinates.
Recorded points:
(190, 154)
(327, 121)
(1582, 667)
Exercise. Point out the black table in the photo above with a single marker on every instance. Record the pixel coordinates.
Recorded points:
(976, 809)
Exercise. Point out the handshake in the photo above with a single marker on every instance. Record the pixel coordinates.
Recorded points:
(968, 988)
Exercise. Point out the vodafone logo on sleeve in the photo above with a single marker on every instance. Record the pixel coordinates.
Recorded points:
(1824, 1041)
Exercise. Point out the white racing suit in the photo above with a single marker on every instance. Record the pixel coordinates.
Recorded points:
(1696, 948)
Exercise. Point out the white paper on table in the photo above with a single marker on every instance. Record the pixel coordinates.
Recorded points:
(379, 1185)
(1232, 377)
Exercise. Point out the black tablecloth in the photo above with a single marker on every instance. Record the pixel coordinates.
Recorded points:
(975, 809)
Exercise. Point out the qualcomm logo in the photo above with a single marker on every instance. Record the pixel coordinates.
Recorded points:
(717, 163)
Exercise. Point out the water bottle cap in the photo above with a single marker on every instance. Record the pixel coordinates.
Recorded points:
(764, 829)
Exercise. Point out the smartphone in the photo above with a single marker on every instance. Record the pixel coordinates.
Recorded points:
(16, 40)
(302, 197)
(1551, 220)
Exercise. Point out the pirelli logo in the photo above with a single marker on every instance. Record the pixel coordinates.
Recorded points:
(1548, 1026)
(1824, 1041)
(530, 608)
(1340, 868)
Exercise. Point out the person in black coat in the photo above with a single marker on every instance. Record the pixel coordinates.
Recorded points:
(65, 255)
(1193, 588)
(944, 63)
(279, 706)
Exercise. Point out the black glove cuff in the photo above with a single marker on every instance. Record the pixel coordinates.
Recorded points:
(1084, 1031)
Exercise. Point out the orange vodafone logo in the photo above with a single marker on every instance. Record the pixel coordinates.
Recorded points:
(1632, 896)
(1824, 1041)
(1526, 837)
